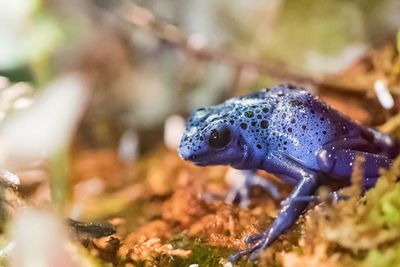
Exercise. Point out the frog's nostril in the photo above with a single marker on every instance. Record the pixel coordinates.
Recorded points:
(184, 152)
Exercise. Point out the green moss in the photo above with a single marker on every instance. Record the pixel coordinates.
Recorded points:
(386, 258)
(202, 253)
(390, 207)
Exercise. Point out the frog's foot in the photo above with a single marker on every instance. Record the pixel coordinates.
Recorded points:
(259, 243)
(246, 252)
(241, 184)
(288, 213)
(236, 192)
(253, 238)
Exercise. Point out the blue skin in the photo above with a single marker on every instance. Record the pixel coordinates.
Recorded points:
(288, 132)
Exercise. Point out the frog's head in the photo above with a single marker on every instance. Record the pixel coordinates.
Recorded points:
(210, 139)
(216, 136)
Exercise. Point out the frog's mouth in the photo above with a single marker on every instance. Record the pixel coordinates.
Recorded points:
(235, 153)
(224, 156)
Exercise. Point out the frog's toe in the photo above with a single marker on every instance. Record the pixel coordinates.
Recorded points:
(266, 185)
(234, 257)
(252, 179)
(246, 252)
(240, 194)
(244, 201)
(253, 238)
(232, 195)
(241, 184)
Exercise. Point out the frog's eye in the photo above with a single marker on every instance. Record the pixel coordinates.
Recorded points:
(219, 139)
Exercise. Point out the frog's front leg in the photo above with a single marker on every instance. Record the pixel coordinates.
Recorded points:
(307, 184)
(334, 197)
(242, 181)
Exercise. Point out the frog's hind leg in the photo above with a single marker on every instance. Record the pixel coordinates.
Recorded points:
(386, 144)
(241, 183)
(338, 160)
(343, 162)
(289, 212)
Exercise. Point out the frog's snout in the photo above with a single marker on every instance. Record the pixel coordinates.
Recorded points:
(185, 153)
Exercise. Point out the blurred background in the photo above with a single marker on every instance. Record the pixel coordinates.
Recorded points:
(170, 57)
(94, 93)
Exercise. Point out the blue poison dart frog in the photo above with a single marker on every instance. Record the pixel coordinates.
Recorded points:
(288, 132)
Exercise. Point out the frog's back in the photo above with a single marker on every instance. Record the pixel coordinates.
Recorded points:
(300, 124)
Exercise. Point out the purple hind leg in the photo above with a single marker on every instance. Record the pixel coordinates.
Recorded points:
(289, 212)
(388, 146)
(342, 163)
(338, 161)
